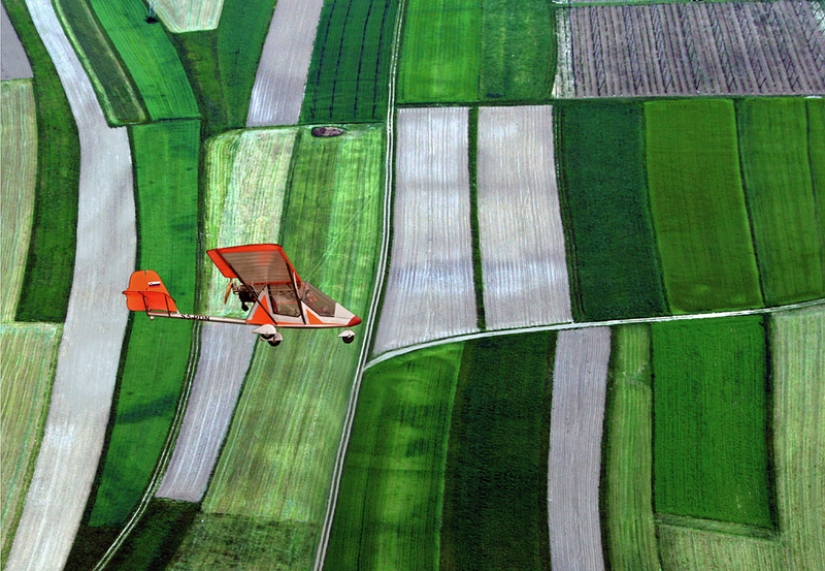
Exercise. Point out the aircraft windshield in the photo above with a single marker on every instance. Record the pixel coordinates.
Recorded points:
(317, 300)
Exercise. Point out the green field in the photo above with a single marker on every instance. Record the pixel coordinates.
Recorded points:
(773, 142)
(157, 352)
(149, 58)
(816, 150)
(495, 486)
(626, 491)
(349, 74)
(50, 262)
(698, 206)
(612, 249)
(711, 429)
(394, 471)
(113, 85)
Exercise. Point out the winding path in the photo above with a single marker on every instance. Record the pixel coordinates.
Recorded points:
(95, 322)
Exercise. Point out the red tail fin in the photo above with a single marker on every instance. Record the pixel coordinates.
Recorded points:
(147, 293)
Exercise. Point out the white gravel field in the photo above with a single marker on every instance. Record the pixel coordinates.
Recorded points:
(14, 63)
(429, 293)
(282, 74)
(226, 351)
(521, 235)
(95, 323)
(576, 418)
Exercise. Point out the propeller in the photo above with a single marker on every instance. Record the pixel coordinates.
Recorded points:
(228, 291)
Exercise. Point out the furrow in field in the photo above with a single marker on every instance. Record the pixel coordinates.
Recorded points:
(430, 291)
(95, 321)
(579, 385)
(189, 15)
(282, 73)
(711, 49)
(520, 228)
(14, 63)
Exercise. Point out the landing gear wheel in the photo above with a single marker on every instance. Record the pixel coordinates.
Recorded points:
(274, 340)
(347, 336)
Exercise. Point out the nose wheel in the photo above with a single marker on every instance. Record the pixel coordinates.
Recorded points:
(347, 336)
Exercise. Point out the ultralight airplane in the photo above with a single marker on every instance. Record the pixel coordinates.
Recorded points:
(267, 281)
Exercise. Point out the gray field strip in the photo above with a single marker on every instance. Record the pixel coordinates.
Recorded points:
(226, 351)
(769, 48)
(95, 322)
(282, 73)
(429, 292)
(576, 418)
(522, 240)
(14, 64)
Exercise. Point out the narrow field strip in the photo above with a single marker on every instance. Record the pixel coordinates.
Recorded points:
(627, 453)
(579, 385)
(816, 152)
(495, 483)
(282, 73)
(429, 291)
(773, 145)
(18, 153)
(14, 63)
(188, 15)
(764, 48)
(523, 260)
(614, 261)
(698, 206)
(95, 324)
(394, 469)
(29, 356)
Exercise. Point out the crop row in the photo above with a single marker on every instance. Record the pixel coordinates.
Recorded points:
(689, 49)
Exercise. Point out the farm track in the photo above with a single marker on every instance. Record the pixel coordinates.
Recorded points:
(278, 91)
(14, 63)
(429, 291)
(759, 48)
(522, 240)
(579, 388)
(95, 324)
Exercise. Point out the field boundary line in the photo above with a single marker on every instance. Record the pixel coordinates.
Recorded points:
(585, 324)
(363, 359)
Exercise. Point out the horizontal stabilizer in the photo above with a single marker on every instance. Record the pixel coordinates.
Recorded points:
(147, 293)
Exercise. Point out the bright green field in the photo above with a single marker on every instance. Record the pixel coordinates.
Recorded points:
(612, 249)
(773, 142)
(149, 57)
(816, 149)
(698, 206)
(394, 471)
(157, 352)
(626, 492)
(50, 261)
(113, 85)
(495, 486)
(349, 74)
(711, 410)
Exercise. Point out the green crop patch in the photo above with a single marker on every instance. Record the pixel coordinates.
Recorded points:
(394, 470)
(149, 57)
(816, 150)
(349, 74)
(50, 260)
(495, 486)
(773, 142)
(698, 206)
(157, 357)
(604, 192)
(711, 410)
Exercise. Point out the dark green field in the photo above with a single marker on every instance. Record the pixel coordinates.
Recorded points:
(816, 149)
(611, 246)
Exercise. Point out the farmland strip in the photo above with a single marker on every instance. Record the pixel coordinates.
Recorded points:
(14, 63)
(564, 82)
(188, 15)
(282, 73)
(579, 384)
(816, 152)
(95, 322)
(522, 239)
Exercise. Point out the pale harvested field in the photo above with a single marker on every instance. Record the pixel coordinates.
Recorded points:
(226, 351)
(522, 239)
(693, 48)
(18, 155)
(579, 385)
(28, 352)
(14, 64)
(282, 73)
(189, 15)
(429, 293)
(95, 322)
